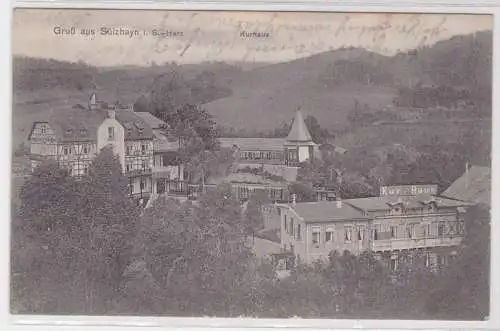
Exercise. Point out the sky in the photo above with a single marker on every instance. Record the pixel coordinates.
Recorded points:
(195, 37)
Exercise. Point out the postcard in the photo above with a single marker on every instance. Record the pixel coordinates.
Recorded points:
(251, 164)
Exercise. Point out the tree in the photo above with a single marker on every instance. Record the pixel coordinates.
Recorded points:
(107, 225)
(45, 259)
(197, 252)
(303, 192)
(47, 198)
(319, 135)
(142, 104)
(170, 91)
(466, 282)
(254, 219)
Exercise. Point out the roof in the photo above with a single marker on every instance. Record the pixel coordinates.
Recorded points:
(254, 144)
(135, 127)
(384, 202)
(299, 131)
(476, 188)
(75, 124)
(153, 121)
(322, 211)
(164, 143)
(247, 178)
(354, 209)
(81, 124)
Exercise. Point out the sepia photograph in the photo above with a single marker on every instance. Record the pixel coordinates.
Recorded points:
(238, 164)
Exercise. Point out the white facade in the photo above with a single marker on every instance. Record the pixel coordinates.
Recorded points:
(111, 133)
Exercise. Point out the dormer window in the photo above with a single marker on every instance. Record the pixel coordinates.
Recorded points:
(68, 131)
(83, 131)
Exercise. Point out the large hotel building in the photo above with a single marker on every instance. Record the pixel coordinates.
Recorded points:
(401, 220)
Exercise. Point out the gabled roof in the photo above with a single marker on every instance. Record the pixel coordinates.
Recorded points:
(74, 124)
(80, 124)
(473, 187)
(299, 130)
(135, 127)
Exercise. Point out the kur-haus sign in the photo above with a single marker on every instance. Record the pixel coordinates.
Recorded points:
(408, 190)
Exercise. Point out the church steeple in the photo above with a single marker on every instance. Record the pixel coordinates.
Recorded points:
(299, 131)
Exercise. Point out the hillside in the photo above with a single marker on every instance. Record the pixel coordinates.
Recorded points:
(331, 85)
(41, 84)
(328, 85)
(274, 92)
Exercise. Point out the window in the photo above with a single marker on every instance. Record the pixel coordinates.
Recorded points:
(394, 264)
(111, 133)
(144, 149)
(461, 228)
(441, 260)
(393, 232)
(329, 234)
(376, 232)
(299, 233)
(427, 230)
(427, 259)
(291, 230)
(66, 150)
(42, 130)
(361, 234)
(316, 235)
(128, 167)
(441, 229)
(286, 224)
(143, 184)
(143, 164)
(348, 234)
(85, 149)
(129, 150)
(410, 230)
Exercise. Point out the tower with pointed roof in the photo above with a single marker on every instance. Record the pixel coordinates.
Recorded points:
(93, 101)
(299, 146)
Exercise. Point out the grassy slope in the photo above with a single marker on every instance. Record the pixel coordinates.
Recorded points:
(274, 92)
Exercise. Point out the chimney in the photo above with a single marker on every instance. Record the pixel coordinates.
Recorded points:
(294, 199)
(339, 202)
(111, 114)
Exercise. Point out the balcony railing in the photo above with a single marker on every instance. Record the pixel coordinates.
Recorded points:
(400, 244)
(139, 172)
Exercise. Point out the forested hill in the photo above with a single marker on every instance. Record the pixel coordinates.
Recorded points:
(328, 85)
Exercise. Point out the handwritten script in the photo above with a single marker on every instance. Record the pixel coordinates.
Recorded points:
(267, 35)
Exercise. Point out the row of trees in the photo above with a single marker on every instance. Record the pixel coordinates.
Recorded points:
(82, 247)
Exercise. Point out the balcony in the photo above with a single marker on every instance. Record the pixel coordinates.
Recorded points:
(139, 172)
(400, 244)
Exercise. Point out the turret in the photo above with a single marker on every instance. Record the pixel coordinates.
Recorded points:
(299, 145)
